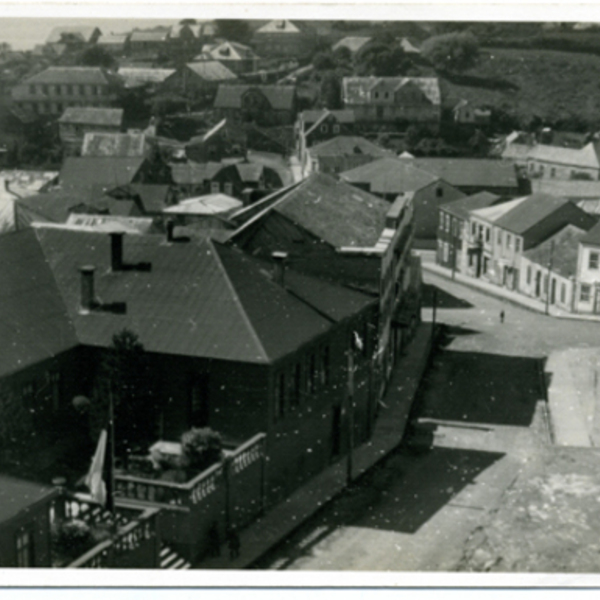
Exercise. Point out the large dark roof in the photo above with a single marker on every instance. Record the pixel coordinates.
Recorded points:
(335, 211)
(461, 208)
(34, 324)
(470, 172)
(105, 170)
(592, 236)
(561, 250)
(530, 212)
(17, 495)
(280, 97)
(92, 116)
(390, 176)
(77, 75)
(348, 145)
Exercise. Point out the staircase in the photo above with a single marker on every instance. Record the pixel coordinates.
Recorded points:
(169, 559)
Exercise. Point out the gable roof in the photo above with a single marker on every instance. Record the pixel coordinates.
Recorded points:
(530, 212)
(135, 76)
(280, 26)
(334, 211)
(349, 145)
(228, 51)
(356, 90)
(593, 236)
(389, 176)
(34, 325)
(211, 204)
(81, 171)
(561, 250)
(191, 173)
(160, 35)
(113, 39)
(18, 495)
(85, 34)
(353, 43)
(92, 116)
(114, 145)
(315, 117)
(573, 189)
(470, 172)
(584, 157)
(76, 75)
(280, 97)
(462, 207)
(211, 70)
(494, 212)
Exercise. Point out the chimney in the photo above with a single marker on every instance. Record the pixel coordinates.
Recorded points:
(170, 229)
(87, 287)
(116, 250)
(279, 259)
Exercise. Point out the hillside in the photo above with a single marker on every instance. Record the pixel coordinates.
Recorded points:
(556, 86)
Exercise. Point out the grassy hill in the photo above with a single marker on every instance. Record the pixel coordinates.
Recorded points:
(556, 86)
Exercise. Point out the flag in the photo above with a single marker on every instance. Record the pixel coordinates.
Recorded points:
(358, 343)
(94, 479)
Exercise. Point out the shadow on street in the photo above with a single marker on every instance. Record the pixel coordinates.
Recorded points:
(444, 299)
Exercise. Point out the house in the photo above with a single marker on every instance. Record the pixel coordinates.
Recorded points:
(198, 80)
(392, 177)
(25, 523)
(114, 43)
(587, 293)
(116, 144)
(135, 77)
(466, 114)
(149, 41)
(284, 39)
(353, 43)
(233, 55)
(340, 154)
(498, 235)
(74, 35)
(57, 88)
(211, 146)
(210, 211)
(314, 126)
(548, 271)
(394, 100)
(244, 180)
(265, 105)
(453, 222)
(76, 122)
(515, 148)
(554, 162)
(150, 199)
(473, 175)
(215, 360)
(334, 231)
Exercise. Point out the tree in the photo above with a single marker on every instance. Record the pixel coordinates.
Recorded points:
(331, 91)
(451, 51)
(382, 61)
(96, 56)
(124, 374)
(235, 30)
(323, 61)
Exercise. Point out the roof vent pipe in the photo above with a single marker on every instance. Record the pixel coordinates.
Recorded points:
(116, 250)
(279, 260)
(87, 287)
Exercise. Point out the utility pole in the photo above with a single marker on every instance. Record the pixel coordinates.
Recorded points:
(350, 465)
(549, 276)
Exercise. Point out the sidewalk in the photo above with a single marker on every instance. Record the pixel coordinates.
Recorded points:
(284, 518)
(509, 295)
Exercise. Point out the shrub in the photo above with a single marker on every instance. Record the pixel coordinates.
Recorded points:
(71, 539)
(201, 448)
(452, 51)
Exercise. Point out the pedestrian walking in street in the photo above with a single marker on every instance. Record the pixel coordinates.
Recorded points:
(501, 316)
(214, 540)
(234, 543)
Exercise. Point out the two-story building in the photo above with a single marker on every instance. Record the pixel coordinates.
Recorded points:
(393, 177)
(394, 100)
(587, 293)
(285, 39)
(554, 162)
(57, 88)
(265, 105)
(75, 122)
(237, 57)
(198, 80)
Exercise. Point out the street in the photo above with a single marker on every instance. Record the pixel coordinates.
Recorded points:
(481, 412)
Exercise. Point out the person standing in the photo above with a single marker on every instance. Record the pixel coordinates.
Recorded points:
(501, 316)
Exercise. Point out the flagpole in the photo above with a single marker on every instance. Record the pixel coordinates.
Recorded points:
(110, 479)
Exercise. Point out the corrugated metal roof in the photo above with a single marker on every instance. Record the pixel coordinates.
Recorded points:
(34, 324)
(280, 97)
(92, 116)
(529, 212)
(18, 495)
(89, 170)
(390, 176)
(348, 145)
(561, 250)
(573, 189)
(470, 172)
(211, 70)
(77, 75)
(138, 76)
(584, 157)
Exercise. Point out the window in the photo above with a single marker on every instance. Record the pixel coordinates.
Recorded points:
(488, 232)
(312, 374)
(336, 129)
(82, 90)
(545, 284)
(593, 261)
(376, 95)
(24, 543)
(499, 238)
(279, 396)
(584, 294)
(552, 172)
(214, 187)
(44, 89)
(447, 220)
(473, 229)
(528, 274)
(69, 90)
(32, 89)
(508, 241)
(57, 90)
(446, 251)
(439, 192)
(324, 128)
(228, 188)
(517, 244)
(563, 293)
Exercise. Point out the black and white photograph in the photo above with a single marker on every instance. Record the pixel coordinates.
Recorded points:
(294, 294)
